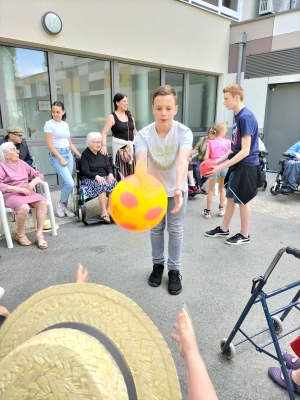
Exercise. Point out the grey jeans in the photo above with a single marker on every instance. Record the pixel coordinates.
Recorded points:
(175, 228)
(291, 173)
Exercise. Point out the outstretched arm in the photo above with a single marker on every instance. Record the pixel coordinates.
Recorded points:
(181, 173)
(198, 381)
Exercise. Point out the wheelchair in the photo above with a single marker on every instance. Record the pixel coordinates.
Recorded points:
(263, 167)
(79, 197)
(280, 176)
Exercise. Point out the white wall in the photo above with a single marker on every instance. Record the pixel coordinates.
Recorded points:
(250, 9)
(287, 23)
(255, 97)
(162, 32)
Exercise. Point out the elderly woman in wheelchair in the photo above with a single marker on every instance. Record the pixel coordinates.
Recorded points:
(19, 195)
(97, 174)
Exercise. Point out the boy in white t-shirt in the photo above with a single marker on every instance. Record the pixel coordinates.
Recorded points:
(164, 146)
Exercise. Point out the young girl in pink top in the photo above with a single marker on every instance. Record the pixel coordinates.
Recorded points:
(216, 147)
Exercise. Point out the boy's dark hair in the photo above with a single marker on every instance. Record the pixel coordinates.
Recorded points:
(165, 90)
(234, 89)
(118, 97)
(61, 105)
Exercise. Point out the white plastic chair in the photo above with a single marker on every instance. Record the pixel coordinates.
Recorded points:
(4, 210)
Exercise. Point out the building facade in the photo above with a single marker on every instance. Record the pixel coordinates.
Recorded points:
(105, 47)
(270, 76)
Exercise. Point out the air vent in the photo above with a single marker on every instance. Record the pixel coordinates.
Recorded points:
(283, 62)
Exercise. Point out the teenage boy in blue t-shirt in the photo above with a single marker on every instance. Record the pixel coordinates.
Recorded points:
(244, 176)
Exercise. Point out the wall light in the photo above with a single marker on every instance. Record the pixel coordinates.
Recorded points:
(52, 23)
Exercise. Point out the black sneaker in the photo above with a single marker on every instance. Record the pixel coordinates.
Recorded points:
(156, 275)
(238, 239)
(174, 286)
(217, 232)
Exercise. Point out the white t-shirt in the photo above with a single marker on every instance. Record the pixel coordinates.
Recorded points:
(60, 133)
(163, 152)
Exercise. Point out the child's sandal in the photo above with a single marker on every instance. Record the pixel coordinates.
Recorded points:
(206, 214)
(221, 211)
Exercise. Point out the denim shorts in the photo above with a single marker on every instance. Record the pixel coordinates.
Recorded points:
(229, 193)
(222, 174)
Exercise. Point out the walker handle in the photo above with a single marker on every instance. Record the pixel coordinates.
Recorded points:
(292, 250)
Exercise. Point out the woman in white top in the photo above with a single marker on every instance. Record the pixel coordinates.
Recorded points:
(59, 143)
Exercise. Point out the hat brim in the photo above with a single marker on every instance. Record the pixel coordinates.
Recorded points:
(49, 229)
(105, 310)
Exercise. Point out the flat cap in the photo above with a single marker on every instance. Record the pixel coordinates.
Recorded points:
(15, 129)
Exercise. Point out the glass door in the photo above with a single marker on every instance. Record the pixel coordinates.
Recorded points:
(175, 79)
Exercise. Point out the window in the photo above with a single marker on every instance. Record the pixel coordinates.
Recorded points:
(26, 84)
(176, 80)
(231, 4)
(84, 86)
(228, 8)
(139, 84)
(201, 102)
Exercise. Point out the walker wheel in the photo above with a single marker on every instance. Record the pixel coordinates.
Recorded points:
(274, 191)
(230, 352)
(278, 325)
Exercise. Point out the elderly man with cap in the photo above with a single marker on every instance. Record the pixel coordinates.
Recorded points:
(15, 135)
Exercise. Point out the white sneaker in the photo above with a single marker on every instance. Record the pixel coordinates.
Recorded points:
(206, 214)
(60, 209)
(68, 212)
(221, 211)
(1, 292)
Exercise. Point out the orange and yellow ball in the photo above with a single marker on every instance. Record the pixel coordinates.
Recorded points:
(138, 203)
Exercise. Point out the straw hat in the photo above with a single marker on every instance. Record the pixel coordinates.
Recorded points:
(84, 341)
(47, 226)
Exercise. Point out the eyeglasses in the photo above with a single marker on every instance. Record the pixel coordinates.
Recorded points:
(97, 143)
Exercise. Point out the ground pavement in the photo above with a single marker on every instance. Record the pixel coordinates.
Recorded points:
(217, 280)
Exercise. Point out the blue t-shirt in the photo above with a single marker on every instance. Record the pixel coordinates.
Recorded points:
(245, 123)
(293, 150)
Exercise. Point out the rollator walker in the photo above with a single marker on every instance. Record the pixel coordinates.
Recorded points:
(275, 323)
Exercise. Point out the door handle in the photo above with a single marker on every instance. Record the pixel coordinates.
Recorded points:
(30, 131)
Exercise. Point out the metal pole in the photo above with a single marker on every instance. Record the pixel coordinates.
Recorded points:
(240, 39)
(239, 64)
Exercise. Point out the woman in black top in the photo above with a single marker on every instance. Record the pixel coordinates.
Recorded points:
(121, 123)
(97, 174)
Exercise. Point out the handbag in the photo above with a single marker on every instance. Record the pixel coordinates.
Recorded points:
(124, 151)
(125, 154)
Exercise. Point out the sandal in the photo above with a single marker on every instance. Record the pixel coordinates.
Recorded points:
(111, 218)
(23, 240)
(203, 191)
(106, 218)
(288, 360)
(276, 374)
(41, 242)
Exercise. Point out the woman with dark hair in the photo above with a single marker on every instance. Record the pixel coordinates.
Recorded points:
(59, 143)
(121, 123)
